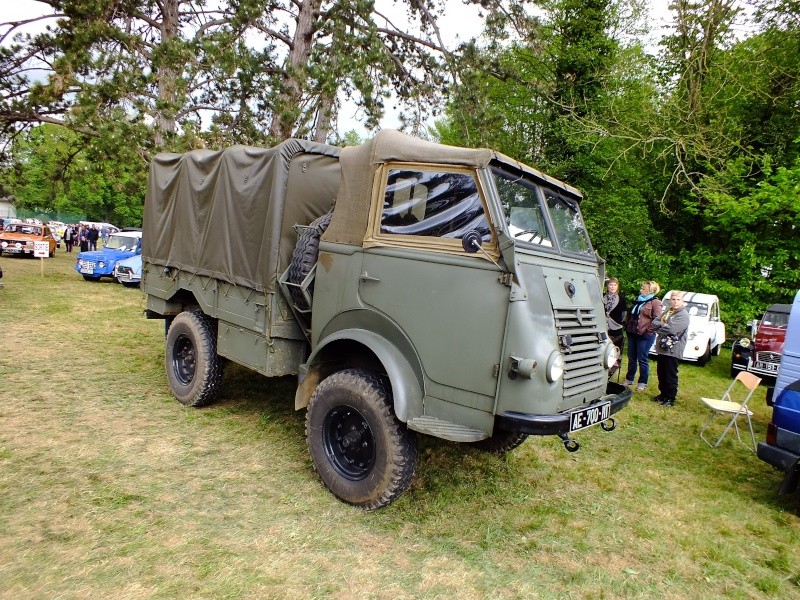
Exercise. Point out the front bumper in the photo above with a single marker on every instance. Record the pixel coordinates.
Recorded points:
(784, 460)
(127, 277)
(558, 424)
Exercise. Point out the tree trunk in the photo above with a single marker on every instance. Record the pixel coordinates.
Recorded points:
(166, 77)
(285, 111)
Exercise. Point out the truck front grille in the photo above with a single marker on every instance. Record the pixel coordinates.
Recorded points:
(579, 336)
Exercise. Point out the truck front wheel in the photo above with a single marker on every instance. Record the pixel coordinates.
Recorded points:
(194, 369)
(364, 455)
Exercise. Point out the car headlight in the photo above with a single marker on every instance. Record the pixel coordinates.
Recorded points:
(17, 245)
(4, 244)
(744, 342)
(101, 264)
(555, 367)
(610, 356)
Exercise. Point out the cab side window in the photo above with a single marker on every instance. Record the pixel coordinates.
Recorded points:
(434, 204)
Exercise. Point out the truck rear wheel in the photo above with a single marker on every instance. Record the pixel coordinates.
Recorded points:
(364, 455)
(304, 257)
(194, 369)
(501, 442)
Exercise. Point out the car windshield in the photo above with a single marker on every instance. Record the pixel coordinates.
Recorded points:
(527, 205)
(23, 228)
(697, 309)
(775, 319)
(121, 242)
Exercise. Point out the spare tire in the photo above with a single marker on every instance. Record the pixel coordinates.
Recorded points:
(304, 258)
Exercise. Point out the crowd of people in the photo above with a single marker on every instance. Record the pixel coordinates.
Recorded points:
(645, 322)
(83, 237)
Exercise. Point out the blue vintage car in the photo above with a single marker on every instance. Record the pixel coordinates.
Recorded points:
(100, 263)
(128, 272)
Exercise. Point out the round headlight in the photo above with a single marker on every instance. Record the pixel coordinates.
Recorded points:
(610, 356)
(17, 245)
(4, 244)
(555, 367)
(744, 342)
(102, 264)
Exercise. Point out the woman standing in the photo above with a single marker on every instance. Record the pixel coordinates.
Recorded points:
(645, 309)
(616, 309)
(671, 329)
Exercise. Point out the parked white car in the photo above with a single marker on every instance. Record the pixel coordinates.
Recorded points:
(706, 330)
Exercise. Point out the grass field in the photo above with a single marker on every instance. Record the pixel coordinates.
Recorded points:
(111, 489)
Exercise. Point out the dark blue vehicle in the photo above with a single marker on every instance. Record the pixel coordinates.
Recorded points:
(782, 446)
(100, 263)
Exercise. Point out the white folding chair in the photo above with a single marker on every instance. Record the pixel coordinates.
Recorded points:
(729, 407)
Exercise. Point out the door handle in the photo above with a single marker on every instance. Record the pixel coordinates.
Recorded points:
(367, 277)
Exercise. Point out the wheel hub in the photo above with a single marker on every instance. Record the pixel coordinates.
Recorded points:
(184, 360)
(349, 443)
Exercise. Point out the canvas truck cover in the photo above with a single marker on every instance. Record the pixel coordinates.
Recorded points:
(361, 163)
(229, 214)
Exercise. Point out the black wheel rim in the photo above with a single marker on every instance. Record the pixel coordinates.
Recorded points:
(184, 359)
(349, 443)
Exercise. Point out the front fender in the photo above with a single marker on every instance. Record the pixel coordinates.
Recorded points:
(407, 388)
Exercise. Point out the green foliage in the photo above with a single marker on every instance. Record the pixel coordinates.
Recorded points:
(687, 160)
(58, 171)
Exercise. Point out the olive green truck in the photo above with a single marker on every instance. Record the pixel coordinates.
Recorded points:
(413, 288)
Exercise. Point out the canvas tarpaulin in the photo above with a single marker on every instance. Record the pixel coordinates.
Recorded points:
(361, 163)
(229, 214)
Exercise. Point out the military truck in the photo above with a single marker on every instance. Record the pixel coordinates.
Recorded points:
(414, 288)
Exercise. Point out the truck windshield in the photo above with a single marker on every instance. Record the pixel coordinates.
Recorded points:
(526, 204)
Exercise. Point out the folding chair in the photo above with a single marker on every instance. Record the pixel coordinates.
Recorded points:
(727, 406)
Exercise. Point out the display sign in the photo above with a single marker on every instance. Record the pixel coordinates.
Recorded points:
(41, 249)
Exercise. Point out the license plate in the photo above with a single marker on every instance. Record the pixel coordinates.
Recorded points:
(591, 415)
(766, 366)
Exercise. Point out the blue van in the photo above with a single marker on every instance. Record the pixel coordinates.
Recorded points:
(782, 446)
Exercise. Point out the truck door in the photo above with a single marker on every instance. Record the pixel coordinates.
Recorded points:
(451, 304)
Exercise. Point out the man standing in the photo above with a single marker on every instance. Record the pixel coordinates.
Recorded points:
(671, 330)
(93, 234)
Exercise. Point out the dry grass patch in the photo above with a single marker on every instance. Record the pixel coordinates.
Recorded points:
(110, 488)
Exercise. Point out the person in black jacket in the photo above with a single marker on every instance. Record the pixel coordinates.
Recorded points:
(93, 234)
(616, 310)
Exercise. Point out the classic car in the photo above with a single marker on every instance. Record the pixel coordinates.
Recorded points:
(128, 272)
(95, 264)
(20, 238)
(761, 353)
